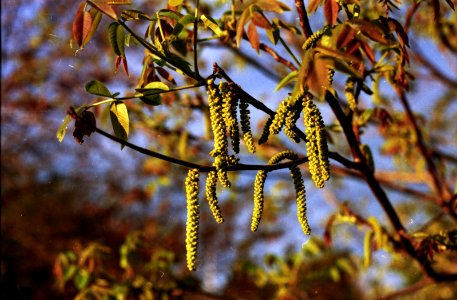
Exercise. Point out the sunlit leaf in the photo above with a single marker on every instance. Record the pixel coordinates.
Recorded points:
(272, 5)
(273, 35)
(81, 26)
(63, 128)
(120, 120)
(367, 250)
(253, 36)
(96, 18)
(175, 2)
(81, 279)
(244, 18)
(211, 24)
(96, 87)
(104, 7)
(150, 94)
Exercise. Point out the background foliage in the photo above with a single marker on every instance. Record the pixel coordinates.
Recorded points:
(93, 221)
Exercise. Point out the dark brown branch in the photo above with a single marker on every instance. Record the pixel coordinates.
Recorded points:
(303, 15)
(201, 168)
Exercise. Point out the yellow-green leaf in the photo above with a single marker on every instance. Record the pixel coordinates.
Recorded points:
(286, 80)
(175, 2)
(120, 120)
(63, 128)
(211, 24)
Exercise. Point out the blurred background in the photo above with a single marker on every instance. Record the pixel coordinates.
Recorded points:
(84, 219)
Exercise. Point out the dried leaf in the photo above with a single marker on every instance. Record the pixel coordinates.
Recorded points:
(253, 36)
(84, 125)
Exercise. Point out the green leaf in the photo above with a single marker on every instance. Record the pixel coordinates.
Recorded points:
(96, 87)
(211, 24)
(286, 80)
(133, 14)
(182, 22)
(120, 120)
(82, 278)
(150, 94)
(63, 128)
(116, 36)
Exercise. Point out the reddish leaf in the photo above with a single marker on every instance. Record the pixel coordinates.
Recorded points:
(394, 25)
(313, 5)
(81, 26)
(125, 65)
(244, 18)
(352, 46)
(272, 5)
(84, 125)
(164, 73)
(346, 35)
(104, 7)
(260, 21)
(368, 51)
(331, 11)
(253, 36)
(373, 32)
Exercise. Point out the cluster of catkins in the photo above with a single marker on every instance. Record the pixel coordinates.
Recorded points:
(224, 104)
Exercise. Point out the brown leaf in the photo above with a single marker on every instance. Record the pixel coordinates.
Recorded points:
(394, 25)
(372, 31)
(331, 11)
(253, 36)
(244, 18)
(81, 26)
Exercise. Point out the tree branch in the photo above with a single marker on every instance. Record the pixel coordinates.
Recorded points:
(303, 15)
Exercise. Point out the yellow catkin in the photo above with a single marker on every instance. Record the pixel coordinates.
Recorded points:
(314, 38)
(193, 216)
(246, 126)
(330, 75)
(259, 184)
(221, 164)
(230, 103)
(349, 93)
(280, 116)
(287, 154)
(217, 120)
(291, 119)
(300, 199)
(317, 142)
(211, 196)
